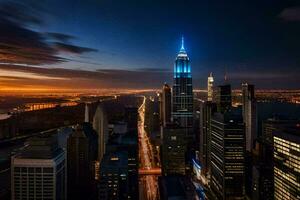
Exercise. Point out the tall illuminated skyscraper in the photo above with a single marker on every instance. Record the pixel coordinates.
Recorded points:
(210, 82)
(182, 111)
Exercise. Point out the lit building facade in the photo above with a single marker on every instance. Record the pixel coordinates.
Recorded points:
(228, 155)
(182, 111)
(207, 109)
(286, 140)
(210, 85)
(39, 171)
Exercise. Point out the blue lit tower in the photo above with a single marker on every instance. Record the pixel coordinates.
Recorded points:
(182, 111)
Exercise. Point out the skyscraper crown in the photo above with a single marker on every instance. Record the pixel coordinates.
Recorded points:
(182, 52)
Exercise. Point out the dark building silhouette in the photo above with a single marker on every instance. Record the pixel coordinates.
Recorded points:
(131, 117)
(262, 180)
(152, 121)
(81, 156)
(173, 149)
(114, 176)
(223, 98)
(263, 162)
(166, 104)
(9, 126)
(177, 187)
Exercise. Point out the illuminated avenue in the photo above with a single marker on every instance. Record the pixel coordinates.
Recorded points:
(149, 179)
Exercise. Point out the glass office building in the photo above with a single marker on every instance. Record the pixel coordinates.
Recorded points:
(286, 140)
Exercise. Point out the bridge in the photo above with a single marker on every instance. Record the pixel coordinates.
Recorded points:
(152, 171)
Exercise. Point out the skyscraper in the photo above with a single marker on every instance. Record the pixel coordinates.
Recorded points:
(207, 109)
(210, 84)
(100, 125)
(39, 171)
(82, 154)
(249, 114)
(166, 104)
(286, 140)
(182, 111)
(228, 155)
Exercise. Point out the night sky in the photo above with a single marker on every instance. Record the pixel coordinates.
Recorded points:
(133, 44)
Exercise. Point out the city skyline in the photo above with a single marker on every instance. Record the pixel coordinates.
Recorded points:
(101, 45)
(149, 100)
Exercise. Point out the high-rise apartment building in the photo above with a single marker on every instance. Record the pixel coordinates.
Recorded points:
(249, 114)
(182, 111)
(38, 172)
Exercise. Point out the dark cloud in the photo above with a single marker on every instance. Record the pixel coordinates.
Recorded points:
(20, 13)
(290, 14)
(20, 44)
(68, 48)
(60, 36)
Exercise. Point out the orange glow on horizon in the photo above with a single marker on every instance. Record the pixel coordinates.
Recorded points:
(53, 90)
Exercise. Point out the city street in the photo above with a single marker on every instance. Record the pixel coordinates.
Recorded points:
(149, 182)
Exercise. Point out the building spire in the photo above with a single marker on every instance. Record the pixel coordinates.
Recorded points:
(182, 44)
